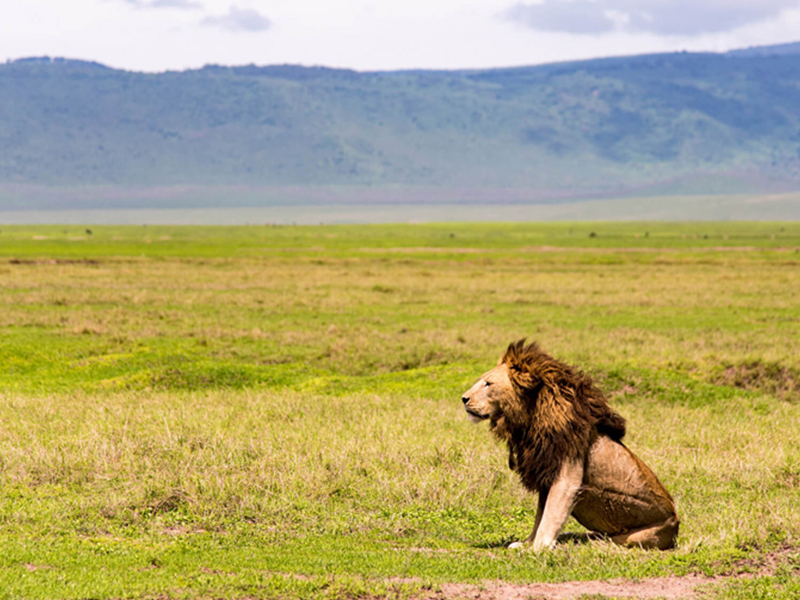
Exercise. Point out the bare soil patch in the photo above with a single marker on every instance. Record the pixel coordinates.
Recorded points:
(53, 261)
(687, 587)
(766, 564)
(772, 378)
(667, 588)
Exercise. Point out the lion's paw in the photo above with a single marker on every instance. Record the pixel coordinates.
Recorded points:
(515, 546)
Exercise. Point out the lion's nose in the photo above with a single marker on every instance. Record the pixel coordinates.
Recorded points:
(465, 399)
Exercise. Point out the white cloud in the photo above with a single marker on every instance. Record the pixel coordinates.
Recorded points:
(581, 16)
(240, 19)
(359, 34)
(658, 17)
(183, 4)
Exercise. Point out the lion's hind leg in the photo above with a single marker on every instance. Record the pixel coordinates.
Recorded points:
(661, 536)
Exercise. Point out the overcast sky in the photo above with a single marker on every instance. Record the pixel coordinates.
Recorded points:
(158, 35)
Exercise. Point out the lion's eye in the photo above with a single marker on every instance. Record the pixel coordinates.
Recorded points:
(487, 383)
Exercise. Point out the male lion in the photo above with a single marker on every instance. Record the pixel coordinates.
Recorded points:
(564, 441)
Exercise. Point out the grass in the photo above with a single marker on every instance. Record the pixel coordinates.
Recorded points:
(274, 412)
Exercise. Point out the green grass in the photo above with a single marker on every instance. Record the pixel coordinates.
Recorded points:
(530, 242)
(274, 412)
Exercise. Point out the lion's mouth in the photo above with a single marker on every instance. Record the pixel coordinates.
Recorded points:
(476, 417)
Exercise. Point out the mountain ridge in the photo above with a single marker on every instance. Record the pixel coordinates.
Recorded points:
(643, 124)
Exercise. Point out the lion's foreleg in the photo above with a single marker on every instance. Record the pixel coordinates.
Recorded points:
(539, 514)
(556, 506)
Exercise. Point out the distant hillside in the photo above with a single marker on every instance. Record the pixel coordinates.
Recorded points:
(773, 50)
(656, 124)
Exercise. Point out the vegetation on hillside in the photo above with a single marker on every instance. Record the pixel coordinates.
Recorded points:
(672, 122)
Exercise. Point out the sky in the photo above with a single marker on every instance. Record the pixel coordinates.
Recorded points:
(160, 35)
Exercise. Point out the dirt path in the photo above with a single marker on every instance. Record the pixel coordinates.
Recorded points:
(687, 587)
(667, 588)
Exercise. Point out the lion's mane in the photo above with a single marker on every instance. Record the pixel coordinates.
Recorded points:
(553, 414)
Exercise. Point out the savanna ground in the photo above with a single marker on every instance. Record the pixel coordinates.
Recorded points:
(260, 412)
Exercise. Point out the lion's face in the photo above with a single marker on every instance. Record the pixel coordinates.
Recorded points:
(485, 399)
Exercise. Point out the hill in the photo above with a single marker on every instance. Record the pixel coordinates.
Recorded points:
(772, 50)
(74, 133)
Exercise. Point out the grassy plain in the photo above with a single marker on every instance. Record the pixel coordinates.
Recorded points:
(254, 412)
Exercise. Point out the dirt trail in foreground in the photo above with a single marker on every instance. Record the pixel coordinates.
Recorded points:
(687, 587)
(666, 588)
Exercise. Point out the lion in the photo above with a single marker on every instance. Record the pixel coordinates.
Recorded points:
(565, 443)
